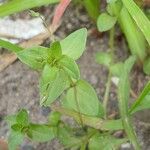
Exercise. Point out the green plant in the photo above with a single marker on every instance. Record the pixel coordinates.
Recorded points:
(60, 79)
(134, 25)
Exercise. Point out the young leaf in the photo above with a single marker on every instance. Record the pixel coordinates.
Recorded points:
(14, 6)
(56, 51)
(146, 66)
(105, 22)
(15, 139)
(105, 142)
(52, 84)
(34, 57)
(104, 58)
(143, 101)
(11, 47)
(70, 66)
(40, 133)
(74, 44)
(141, 20)
(22, 117)
(83, 98)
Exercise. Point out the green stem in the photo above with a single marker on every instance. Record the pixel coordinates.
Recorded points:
(108, 84)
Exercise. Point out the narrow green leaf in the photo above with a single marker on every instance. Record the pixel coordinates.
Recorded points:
(105, 22)
(70, 66)
(52, 84)
(83, 98)
(92, 7)
(105, 142)
(146, 66)
(104, 58)
(123, 97)
(74, 44)
(34, 57)
(40, 133)
(15, 139)
(14, 6)
(141, 20)
(134, 36)
(11, 47)
(143, 101)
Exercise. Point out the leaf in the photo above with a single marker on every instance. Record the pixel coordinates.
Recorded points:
(146, 66)
(54, 118)
(70, 66)
(93, 8)
(40, 133)
(56, 51)
(104, 58)
(134, 37)
(11, 47)
(141, 20)
(34, 57)
(74, 44)
(83, 98)
(52, 84)
(105, 142)
(15, 139)
(93, 122)
(14, 6)
(105, 22)
(143, 101)
(22, 117)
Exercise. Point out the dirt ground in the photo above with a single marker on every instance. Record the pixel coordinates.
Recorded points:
(19, 84)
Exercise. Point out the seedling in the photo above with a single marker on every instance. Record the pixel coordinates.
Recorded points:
(60, 81)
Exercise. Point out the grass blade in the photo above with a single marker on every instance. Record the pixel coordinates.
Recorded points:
(11, 47)
(141, 20)
(20, 5)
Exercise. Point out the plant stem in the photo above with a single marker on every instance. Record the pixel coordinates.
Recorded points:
(108, 84)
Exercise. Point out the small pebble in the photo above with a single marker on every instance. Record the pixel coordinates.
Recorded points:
(45, 111)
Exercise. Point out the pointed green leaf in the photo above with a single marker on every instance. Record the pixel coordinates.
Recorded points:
(70, 66)
(141, 20)
(34, 57)
(54, 118)
(83, 98)
(74, 44)
(56, 51)
(40, 133)
(14, 6)
(105, 22)
(11, 47)
(143, 101)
